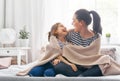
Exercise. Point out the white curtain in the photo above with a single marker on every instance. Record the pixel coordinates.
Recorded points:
(37, 15)
(40, 15)
(24, 12)
(1, 13)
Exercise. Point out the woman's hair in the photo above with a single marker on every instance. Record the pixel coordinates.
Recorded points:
(83, 14)
(53, 31)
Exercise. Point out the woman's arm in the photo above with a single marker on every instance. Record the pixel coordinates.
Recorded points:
(65, 61)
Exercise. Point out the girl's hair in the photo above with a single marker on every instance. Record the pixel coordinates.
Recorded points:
(53, 31)
(83, 14)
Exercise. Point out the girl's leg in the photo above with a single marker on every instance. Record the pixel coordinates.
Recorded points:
(37, 71)
(40, 70)
(50, 72)
(93, 71)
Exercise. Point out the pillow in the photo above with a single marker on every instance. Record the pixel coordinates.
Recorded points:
(5, 62)
(109, 51)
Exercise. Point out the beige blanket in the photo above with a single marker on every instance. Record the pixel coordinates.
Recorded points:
(85, 56)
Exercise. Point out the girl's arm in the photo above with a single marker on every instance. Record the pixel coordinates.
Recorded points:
(65, 61)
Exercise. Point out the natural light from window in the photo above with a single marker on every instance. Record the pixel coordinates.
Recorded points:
(108, 10)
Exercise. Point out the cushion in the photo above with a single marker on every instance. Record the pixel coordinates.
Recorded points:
(109, 51)
(5, 62)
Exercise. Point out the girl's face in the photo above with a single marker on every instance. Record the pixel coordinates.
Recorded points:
(77, 24)
(61, 30)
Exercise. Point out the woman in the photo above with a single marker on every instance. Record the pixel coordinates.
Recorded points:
(81, 35)
(85, 49)
(47, 69)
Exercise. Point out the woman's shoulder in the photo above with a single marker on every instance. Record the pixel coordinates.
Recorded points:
(70, 30)
(98, 35)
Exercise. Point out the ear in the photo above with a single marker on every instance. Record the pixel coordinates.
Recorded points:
(82, 22)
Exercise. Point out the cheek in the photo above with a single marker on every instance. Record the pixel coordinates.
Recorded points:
(75, 24)
(60, 32)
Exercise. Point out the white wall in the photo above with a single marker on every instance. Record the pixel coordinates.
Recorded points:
(40, 15)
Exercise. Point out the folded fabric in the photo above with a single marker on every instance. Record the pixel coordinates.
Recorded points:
(109, 51)
(85, 56)
(5, 62)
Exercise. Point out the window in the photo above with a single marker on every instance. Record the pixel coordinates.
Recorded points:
(63, 10)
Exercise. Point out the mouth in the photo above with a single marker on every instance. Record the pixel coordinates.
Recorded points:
(64, 30)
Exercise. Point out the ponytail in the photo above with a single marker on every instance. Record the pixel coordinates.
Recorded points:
(96, 22)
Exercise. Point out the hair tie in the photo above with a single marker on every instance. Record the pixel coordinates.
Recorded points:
(90, 12)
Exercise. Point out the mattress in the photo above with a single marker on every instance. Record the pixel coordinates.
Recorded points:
(9, 74)
(10, 78)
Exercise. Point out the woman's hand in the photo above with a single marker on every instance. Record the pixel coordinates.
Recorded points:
(56, 61)
(74, 67)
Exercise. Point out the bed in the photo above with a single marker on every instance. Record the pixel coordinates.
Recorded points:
(9, 74)
(59, 78)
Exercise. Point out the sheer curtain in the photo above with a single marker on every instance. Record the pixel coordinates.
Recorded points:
(17, 13)
(40, 15)
(1, 13)
(37, 15)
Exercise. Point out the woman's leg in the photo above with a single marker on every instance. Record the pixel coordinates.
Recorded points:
(62, 68)
(37, 71)
(93, 71)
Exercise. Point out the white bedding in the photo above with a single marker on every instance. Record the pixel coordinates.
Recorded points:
(12, 70)
(10, 75)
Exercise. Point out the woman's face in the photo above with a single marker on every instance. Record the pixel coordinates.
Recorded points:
(61, 30)
(76, 23)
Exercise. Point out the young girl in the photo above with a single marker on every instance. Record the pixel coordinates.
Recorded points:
(59, 31)
(47, 69)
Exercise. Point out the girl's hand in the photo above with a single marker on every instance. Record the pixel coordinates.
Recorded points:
(74, 67)
(22, 73)
(56, 61)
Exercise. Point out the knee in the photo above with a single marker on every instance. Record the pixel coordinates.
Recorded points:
(59, 66)
(49, 72)
(36, 71)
